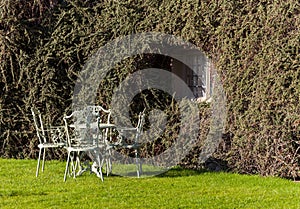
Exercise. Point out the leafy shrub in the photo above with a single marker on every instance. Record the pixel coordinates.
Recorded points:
(255, 45)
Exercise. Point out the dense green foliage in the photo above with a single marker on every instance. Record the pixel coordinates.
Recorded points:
(254, 44)
(178, 188)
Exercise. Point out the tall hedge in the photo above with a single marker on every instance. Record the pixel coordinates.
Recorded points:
(254, 44)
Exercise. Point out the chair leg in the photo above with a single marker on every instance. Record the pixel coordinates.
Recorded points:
(108, 166)
(73, 164)
(67, 166)
(140, 167)
(77, 165)
(82, 166)
(44, 156)
(38, 164)
(100, 167)
(108, 163)
(138, 163)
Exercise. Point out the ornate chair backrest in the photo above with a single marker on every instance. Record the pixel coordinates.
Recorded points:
(49, 134)
(38, 124)
(139, 127)
(81, 127)
(103, 114)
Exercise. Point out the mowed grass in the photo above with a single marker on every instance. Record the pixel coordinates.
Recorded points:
(178, 188)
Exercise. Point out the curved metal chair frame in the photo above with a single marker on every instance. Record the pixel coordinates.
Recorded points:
(49, 137)
(82, 137)
(135, 145)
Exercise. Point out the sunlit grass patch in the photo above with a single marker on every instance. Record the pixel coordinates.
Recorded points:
(176, 188)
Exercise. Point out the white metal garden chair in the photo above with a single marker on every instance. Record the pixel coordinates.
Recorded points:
(49, 137)
(105, 132)
(82, 137)
(133, 144)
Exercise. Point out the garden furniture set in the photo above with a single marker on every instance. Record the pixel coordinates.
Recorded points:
(89, 136)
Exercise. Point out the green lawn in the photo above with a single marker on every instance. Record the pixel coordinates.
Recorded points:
(177, 188)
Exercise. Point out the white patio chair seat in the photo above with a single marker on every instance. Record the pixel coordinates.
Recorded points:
(50, 145)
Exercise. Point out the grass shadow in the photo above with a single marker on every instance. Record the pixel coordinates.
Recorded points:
(181, 172)
(169, 173)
